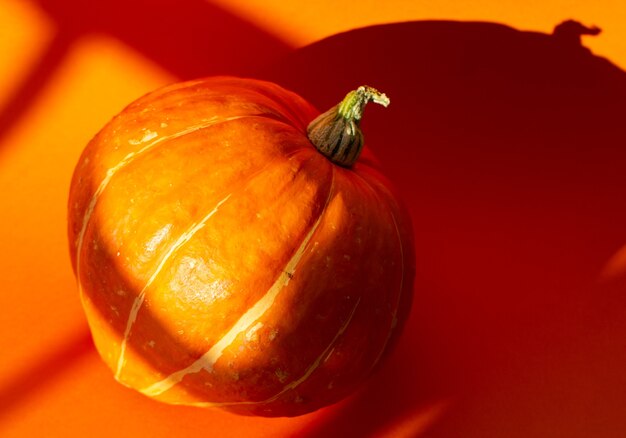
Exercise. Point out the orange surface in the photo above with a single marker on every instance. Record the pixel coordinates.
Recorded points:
(512, 332)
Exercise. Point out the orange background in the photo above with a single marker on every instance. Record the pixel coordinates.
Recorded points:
(68, 68)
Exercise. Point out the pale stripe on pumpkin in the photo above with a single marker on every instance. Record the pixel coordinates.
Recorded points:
(123, 163)
(184, 238)
(292, 385)
(208, 359)
(127, 160)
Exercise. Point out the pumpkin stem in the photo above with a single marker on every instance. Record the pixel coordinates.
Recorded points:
(336, 133)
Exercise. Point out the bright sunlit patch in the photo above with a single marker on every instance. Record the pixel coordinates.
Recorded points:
(152, 244)
(95, 79)
(182, 240)
(147, 136)
(616, 266)
(98, 77)
(416, 422)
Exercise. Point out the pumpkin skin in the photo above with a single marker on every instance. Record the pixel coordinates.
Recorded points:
(223, 261)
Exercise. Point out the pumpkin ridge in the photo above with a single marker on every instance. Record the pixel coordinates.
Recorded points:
(394, 319)
(131, 156)
(164, 196)
(208, 359)
(182, 239)
(295, 383)
(320, 359)
(402, 267)
(282, 109)
(179, 243)
(154, 96)
(277, 95)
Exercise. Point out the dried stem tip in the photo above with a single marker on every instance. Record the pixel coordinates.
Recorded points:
(336, 133)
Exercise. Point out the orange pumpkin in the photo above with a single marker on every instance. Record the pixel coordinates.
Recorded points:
(222, 260)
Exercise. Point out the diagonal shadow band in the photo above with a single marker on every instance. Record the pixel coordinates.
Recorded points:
(190, 39)
(48, 368)
(24, 95)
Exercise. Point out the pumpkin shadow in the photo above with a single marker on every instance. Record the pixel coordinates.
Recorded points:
(508, 148)
(189, 38)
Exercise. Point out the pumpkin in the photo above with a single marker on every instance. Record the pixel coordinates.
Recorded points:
(231, 251)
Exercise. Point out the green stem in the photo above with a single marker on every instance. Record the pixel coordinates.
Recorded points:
(336, 133)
